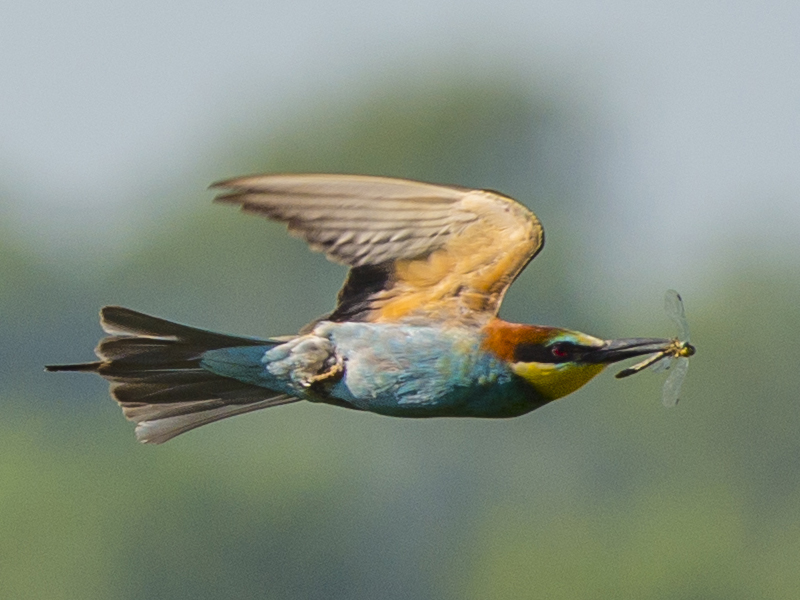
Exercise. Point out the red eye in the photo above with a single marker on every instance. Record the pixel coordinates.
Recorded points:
(559, 351)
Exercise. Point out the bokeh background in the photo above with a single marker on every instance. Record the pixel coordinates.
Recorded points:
(659, 143)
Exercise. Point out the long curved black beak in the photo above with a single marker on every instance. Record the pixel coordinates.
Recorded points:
(616, 350)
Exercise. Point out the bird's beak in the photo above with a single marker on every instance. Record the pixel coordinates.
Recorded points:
(615, 350)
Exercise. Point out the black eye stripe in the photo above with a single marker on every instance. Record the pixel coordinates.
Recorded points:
(544, 354)
(532, 353)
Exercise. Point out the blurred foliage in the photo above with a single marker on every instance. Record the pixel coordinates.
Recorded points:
(602, 495)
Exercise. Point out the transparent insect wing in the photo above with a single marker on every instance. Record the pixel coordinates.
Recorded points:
(673, 306)
(672, 386)
(663, 365)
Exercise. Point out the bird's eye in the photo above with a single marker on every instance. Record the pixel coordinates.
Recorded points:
(559, 350)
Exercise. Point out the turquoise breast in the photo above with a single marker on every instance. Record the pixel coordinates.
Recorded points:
(417, 371)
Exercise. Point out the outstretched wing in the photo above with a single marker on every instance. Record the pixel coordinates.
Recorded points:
(415, 249)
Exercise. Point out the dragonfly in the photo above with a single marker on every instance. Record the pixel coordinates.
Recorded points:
(674, 357)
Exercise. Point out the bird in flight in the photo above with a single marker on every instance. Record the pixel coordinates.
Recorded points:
(414, 332)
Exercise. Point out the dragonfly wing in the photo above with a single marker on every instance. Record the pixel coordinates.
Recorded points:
(672, 386)
(673, 306)
(662, 365)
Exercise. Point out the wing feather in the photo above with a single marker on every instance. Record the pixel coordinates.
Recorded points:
(415, 249)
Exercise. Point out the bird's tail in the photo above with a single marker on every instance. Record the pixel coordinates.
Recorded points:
(156, 377)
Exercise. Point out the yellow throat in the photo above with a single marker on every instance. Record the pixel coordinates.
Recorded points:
(554, 381)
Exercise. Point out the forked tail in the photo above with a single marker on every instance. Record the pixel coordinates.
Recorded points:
(156, 377)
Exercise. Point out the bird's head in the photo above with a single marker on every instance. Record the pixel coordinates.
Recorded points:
(555, 361)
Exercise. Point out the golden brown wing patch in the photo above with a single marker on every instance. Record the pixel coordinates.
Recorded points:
(416, 249)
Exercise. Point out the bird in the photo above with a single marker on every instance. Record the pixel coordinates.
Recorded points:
(414, 333)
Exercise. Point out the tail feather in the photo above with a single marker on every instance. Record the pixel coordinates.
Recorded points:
(89, 367)
(156, 431)
(156, 377)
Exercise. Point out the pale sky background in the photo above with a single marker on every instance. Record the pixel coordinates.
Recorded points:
(700, 103)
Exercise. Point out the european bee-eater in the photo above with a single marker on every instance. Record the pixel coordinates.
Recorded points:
(414, 333)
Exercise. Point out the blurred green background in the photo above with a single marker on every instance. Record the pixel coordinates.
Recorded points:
(604, 494)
